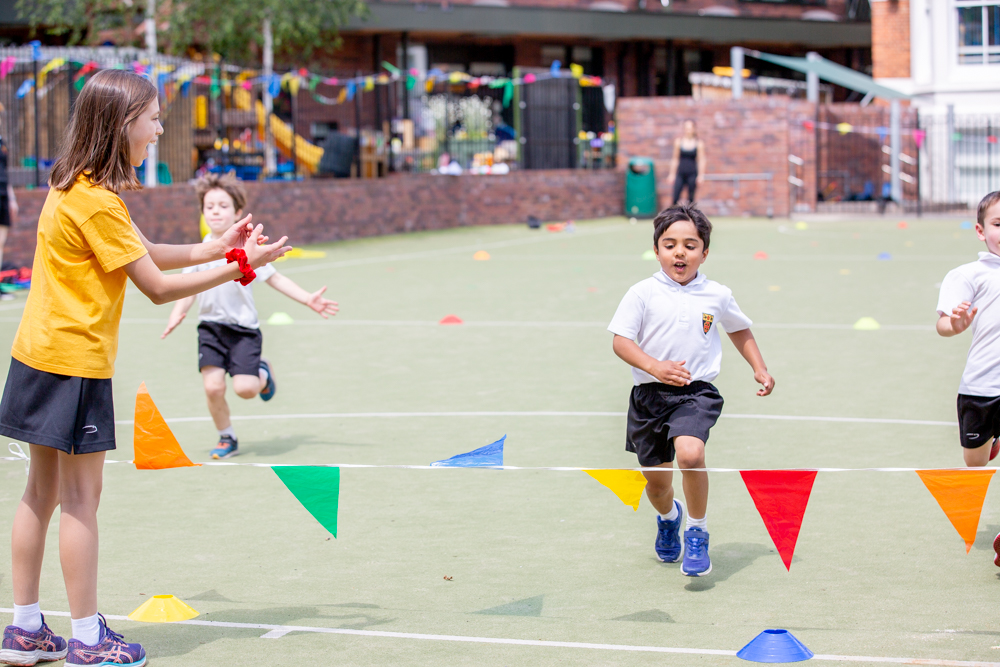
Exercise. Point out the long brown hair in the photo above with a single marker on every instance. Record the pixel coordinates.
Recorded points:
(97, 141)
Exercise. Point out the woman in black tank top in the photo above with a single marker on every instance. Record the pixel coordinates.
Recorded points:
(688, 164)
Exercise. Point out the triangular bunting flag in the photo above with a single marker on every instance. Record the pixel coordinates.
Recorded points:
(960, 493)
(317, 488)
(155, 446)
(628, 485)
(781, 497)
(485, 457)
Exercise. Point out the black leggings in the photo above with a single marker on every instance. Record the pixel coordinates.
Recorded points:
(685, 178)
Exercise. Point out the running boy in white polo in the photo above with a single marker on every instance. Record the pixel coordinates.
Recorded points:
(970, 289)
(667, 329)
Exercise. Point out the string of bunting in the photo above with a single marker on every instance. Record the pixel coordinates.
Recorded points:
(167, 77)
(780, 496)
(919, 136)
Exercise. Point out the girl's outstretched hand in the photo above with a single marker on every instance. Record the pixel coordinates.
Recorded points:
(237, 235)
(764, 378)
(175, 319)
(324, 307)
(259, 254)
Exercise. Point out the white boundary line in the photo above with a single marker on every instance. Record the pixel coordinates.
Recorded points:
(278, 631)
(550, 413)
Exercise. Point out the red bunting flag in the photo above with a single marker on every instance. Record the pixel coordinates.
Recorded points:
(781, 497)
(960, 493)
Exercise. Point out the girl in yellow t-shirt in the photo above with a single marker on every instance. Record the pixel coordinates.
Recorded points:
(58, 392)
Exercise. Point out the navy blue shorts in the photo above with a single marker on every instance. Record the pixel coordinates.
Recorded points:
(978, 419)
(233, 348)
(72, 414)
(658, 413)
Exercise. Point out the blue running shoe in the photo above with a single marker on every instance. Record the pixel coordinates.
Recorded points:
(21, 647)
(227, 447)
(696, 561)
(669, 548)
(267, 393)
(111, 649)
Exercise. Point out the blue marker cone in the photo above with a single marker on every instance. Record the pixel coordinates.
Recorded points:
(775, 646)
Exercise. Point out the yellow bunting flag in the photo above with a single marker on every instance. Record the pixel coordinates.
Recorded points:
(845, 128)
(369, 84)
(51, 65)
(342, 95)
(960, 493)
(576, 70)
(155, 446)
(626, 484)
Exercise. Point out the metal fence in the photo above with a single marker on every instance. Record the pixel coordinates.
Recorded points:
(960, 157)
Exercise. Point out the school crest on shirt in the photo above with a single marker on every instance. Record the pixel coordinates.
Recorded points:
(706, 321)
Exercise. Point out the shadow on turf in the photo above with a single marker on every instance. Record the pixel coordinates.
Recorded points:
(169, 640)
(985, 537)
(727, 560)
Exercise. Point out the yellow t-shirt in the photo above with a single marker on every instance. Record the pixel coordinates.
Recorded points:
(70, 321)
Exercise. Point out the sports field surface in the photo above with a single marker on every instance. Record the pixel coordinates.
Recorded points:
(537, 567)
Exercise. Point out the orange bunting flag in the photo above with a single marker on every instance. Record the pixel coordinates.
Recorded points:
(628, 485)
(781, 497)
(155, 446)
(960, 493)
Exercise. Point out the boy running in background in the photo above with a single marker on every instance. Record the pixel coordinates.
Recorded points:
(229, 338)
(964, 292)
(667, 329)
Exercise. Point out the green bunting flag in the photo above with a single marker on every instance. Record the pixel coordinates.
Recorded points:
(318, 489)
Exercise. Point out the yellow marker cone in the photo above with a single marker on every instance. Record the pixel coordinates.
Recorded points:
(280, 319)
(801, 226)
(162, 609)
(649, 255)
(481, 256)
(867, 324)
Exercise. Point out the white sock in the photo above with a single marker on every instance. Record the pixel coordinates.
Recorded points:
(671, 515)
(228, 431)
(27, 617)
(697, 523)
(264, 375)
(87, 630)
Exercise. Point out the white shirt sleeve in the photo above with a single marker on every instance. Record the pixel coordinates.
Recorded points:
(265, 272)
(732, 318)
(955, 288)
(628, 318)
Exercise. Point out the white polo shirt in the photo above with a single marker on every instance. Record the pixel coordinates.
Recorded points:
(675, 322)
(230, 303)
(979, 283)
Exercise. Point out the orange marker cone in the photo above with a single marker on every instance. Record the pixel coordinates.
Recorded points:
(960, 493)
(155, 446)
(450, 319)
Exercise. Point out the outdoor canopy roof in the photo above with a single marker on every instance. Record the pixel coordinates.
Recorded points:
(830, 71)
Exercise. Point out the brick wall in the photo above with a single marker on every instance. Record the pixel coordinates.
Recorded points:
(891, 39)
(318, 211)
(740, 138)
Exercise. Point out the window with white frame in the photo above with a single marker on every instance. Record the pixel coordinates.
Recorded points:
(978, 32)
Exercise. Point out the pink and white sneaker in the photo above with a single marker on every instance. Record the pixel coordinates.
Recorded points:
(21, 647)
(112, 649)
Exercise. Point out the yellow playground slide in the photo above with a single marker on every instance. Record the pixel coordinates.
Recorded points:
(306, 154)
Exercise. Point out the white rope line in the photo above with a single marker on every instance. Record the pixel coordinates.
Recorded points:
(279, 631)
(545, 413)
(401, 466)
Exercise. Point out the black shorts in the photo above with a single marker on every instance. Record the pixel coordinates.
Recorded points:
(234, 348)
(72, 414)
(658, 413)
(978, 419)
(4, 208)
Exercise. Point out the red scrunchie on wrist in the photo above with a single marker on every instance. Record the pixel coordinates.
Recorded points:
(239, 256)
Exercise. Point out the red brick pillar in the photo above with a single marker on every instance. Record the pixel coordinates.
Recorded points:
(891, 39)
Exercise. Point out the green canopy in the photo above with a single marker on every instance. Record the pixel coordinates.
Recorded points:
(832, 72)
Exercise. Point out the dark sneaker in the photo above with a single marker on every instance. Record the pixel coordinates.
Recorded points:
(996, 547)
(696, 560)
(669, 548)
(267, 393)
(112, 649)
(226, 448)
(995, 449)
(21, 647)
